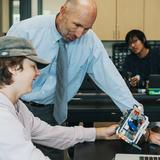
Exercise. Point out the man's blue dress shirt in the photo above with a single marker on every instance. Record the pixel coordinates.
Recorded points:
(85, 55)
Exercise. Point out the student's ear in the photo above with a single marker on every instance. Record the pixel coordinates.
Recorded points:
(144, 40)
(13, 69)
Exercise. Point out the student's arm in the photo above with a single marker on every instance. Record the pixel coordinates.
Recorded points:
(15, 143)
(106, 132)
(61, 137)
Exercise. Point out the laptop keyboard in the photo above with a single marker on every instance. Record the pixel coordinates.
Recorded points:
(149, 158)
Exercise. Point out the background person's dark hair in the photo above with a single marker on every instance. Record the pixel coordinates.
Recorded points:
(138, 34)
(5, 63)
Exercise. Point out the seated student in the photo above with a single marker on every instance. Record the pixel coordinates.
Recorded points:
(142, 61)
(19, 127)
(137, 67)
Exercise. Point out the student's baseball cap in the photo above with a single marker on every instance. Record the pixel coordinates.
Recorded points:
(15, 47)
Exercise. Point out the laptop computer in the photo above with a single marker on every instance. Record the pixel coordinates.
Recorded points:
(136, 157)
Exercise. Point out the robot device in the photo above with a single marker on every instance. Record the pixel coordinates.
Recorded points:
(133, 126)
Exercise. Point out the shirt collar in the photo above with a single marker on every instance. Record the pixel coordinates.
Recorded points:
(6, 103)
(55, 33)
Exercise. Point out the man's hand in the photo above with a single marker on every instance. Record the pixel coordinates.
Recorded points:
(106, 132)
(134, 80)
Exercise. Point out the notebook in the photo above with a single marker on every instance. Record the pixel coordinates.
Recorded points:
(136, 157)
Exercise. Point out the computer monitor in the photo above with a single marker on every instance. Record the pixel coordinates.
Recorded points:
(154, 84)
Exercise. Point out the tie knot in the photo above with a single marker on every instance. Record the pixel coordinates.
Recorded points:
(62, 42)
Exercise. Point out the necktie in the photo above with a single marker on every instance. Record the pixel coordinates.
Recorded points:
(60, 106)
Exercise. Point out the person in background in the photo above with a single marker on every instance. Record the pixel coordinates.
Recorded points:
(86, 55)
(18, 70)
(142, 61)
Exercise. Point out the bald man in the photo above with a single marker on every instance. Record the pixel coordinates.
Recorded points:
(86, 55)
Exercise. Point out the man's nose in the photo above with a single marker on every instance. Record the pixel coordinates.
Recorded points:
(79, 32)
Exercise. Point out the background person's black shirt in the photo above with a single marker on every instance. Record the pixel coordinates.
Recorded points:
(134, 65)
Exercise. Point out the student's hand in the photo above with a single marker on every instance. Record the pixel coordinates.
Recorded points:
(134, 80)
(154, 137)
(106, 132)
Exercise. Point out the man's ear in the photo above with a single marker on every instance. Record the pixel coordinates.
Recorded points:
(62, 10)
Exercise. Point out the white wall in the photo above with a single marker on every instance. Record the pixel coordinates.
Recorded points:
(5, 15)
(34, 8)
(52, 6)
